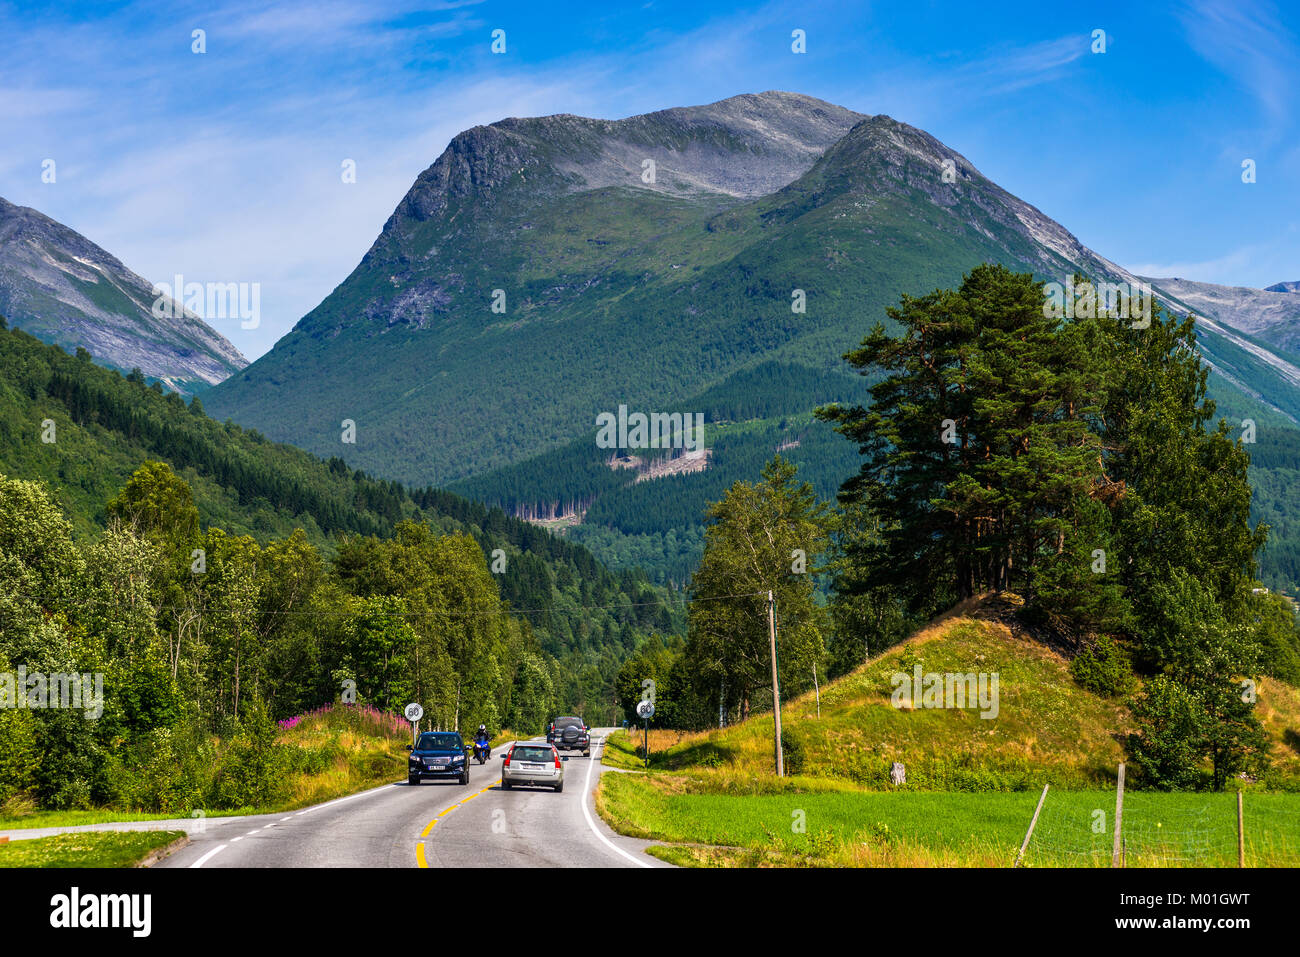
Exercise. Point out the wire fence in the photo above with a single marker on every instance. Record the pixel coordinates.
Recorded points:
(1163, 829)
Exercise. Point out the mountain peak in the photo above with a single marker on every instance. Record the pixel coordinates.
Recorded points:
(693, 150)
(24, 224)
(64, 289)
(544, 263)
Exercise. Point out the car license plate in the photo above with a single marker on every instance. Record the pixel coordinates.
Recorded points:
(531, 767)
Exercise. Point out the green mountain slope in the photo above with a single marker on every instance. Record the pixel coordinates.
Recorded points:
(662, 296)
(618, 291)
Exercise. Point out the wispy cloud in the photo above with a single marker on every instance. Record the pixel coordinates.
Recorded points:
(1007, 71)
(1273, 258)
(1250, 43)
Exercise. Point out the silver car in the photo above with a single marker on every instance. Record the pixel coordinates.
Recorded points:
(534, 763)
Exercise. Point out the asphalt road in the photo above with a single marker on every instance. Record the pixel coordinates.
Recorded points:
(432, 824)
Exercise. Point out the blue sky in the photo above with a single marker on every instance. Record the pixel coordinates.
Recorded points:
(225, 166)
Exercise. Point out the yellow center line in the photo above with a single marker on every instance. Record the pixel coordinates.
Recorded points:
(419, 848)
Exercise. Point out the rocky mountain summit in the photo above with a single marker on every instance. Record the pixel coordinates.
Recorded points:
(544, 270)
(59, 286)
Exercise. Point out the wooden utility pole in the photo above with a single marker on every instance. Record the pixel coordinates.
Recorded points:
(776, 690)
(1119, 817)
(1241, 834)
(1032, 822)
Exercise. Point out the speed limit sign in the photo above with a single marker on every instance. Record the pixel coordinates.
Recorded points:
(413, 712)
(645, 709)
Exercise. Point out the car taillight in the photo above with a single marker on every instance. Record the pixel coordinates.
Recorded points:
(508, 755)
(556, 755)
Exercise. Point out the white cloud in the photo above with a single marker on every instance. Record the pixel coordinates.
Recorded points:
(1255, 265)
(1250, 43)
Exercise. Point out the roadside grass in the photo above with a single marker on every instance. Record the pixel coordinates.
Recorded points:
(971, 783)
(864, 828)
(506, 736)
(329, 753)
(18, 815)
(88, 849)
(344, 752)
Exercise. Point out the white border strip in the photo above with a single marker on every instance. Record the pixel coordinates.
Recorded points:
(591, 766)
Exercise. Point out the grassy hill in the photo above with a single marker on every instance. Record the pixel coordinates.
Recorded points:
(1047, 728)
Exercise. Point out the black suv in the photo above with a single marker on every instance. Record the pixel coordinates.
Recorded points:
(569, 734)
(438, 754)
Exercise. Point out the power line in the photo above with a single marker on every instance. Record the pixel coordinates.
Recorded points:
(505, 609)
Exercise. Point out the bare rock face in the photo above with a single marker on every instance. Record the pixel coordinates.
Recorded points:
(1271, 314)
(897, 773)
(744, 146)
(62, 288)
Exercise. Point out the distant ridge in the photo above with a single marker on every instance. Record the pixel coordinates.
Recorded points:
(62, 288)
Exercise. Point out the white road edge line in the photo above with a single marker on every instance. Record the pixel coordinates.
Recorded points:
(586, 812)
(350, 797)
(208, 856)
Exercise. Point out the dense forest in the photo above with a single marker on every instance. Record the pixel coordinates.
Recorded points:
(188, 633)
(104, 425)
(215, 579)
(658, 525)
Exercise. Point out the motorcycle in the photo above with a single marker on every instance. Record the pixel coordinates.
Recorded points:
(481, 751)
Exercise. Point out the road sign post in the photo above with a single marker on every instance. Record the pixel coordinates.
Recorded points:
(413, 714)
(646, 710)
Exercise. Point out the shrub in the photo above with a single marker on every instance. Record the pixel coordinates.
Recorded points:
(18, 755)
(792, 752)
(1103, 668)
(168, 770)
(253, 765)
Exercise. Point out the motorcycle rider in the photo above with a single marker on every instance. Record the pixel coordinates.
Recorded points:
(481, 739)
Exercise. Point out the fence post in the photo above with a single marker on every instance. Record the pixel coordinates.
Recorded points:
(1033, 821)
(1119, 817)
(1241, 834)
